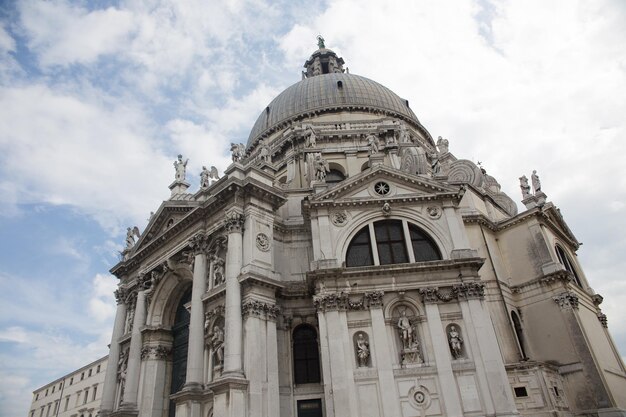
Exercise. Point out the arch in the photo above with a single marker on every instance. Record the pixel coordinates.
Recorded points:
(339, 168)
(393, 242)
(165, 299)
(407, 300)
(519, 333)
(439, 236)
(365, 166)
(306, 357)
(567, 263)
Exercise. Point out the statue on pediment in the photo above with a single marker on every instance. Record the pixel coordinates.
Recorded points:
(181, 168)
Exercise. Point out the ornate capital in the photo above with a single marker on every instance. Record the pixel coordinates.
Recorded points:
(155, 352)
(234, 222)
(120, 295)
(603, 319)
(199, 244)
(374, 299)
(469, 290)
(566, 300)
(435, 295)
(259, 309)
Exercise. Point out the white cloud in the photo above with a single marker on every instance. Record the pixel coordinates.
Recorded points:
(65, 34)
(102, 302)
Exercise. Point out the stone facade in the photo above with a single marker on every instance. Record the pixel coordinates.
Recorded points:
(76, 394)
(347, 264)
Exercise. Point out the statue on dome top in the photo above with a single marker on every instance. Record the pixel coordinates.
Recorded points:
(320, 42)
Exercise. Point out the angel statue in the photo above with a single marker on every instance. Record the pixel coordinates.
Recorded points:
(214, 176)
(321, 168)
(130, 236)
(237, 150)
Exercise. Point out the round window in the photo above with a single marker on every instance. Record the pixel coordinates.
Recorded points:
(382, 188)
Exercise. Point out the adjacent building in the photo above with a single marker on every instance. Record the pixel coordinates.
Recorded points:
(349, 264)
(76, 394)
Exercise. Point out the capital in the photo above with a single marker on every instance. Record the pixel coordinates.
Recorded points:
(234, 222)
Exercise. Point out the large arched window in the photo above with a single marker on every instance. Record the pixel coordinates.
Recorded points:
(567, 263)
(306, 358)
(395, 242)
(180, 334)
(334, 176)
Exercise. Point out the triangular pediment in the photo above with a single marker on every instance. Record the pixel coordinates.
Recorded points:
(554, 217)
(167, 216)
(365, 186)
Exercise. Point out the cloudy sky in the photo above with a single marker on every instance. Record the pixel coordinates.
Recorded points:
(98, 97)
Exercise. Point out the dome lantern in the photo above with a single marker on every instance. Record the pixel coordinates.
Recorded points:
(323, 61)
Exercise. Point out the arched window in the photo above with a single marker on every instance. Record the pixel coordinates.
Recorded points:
(517, 326)
(393, 245)
(567, 263)
(306, 358)
(334, 176)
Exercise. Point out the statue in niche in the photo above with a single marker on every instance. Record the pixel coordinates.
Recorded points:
(536, 183)
(362, 350)
(264, 153)
(311, 139)
(237, 150)
(435, 165)
(204, 177)
(442, 144)
(217, 344)
(181, 168)
(218, 270)
(373, 144)
(129, 320)
(130, 236)
(455, 341)
(321, 168)
(403, 136)
(523, 184)
(406, 330)
(122, 367)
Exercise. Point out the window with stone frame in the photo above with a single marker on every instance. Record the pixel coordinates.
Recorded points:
(395, 241)
(567, 263)
(306, 359)
(334, 176)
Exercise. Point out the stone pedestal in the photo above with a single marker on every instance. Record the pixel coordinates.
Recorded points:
(376, 159)
(178, 187)
(229, 397)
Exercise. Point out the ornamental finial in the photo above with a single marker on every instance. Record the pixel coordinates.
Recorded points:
(320, 42)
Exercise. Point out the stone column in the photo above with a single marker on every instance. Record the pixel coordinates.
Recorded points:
(233, 320)
(384, 363)
(497, 378)
(129, 402)
(450, 391)
(460, 241)
(195, 354)
(110, 379)
(155, 358)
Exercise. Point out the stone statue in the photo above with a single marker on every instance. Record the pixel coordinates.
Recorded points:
(311, 138)
(321, 168)
(130, 317)
(264, 152)
(435, 165)
(442, 144)
(362, 350)
(217, 344)
(320, 42)
(122, 367)
(455, 341)
(423, 166)
(317, 67)
(204, 177)
(536, 183)
(404, 134)
(214, 176)
(218, 270)
(181, 168)
(238, 150)
(130, 236)
(523, 184)
(373, 143)
(406, 331)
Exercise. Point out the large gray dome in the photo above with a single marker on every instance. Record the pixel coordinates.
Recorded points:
(329, 92)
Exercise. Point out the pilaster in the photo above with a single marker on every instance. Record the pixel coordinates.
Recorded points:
(129, 400)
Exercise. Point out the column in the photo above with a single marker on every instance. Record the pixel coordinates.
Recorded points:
(384, 363)
(461, 246)
(195, 353)
(129, 402)
(233, 320)
(450, 392)
(110, 378)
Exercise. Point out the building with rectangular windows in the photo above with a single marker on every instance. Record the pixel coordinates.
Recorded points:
(76, 394)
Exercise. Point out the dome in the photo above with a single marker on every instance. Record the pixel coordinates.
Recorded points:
(330, 92)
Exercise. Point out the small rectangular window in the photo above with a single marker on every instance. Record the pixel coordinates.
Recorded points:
(67, 402)
(98, 369)
(53, 388)
(46, 393)
(71, 380)
(556, 391)
(82, 376)
(37, 397)
(95, 389)
(32, 413)
(520, 392)
(89, 373)
(86, 395)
